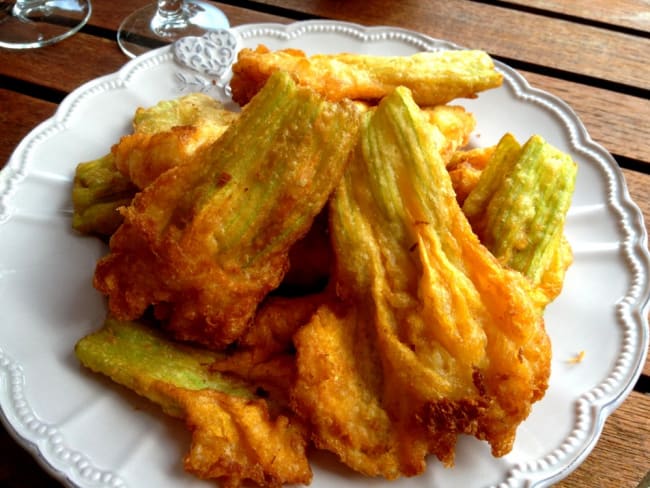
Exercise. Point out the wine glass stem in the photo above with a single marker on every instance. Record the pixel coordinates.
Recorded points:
(170, 16)
(170, 9)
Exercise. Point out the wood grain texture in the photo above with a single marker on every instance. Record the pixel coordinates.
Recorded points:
(630, 14)
(621, 457)
(93, 56)
(577, 55)
(19, 115)
(64, 66)
(109, 15)
(615, 120)
(552, 43)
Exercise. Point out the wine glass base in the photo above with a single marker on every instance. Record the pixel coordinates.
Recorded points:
(145, 30)
(40, 23)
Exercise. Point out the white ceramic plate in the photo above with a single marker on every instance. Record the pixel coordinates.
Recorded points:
(91, 433)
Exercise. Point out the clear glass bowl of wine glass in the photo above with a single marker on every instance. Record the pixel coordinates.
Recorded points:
(26, 24)
(166, 21)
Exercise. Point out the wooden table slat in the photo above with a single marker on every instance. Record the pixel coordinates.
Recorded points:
(567, 46)
(94, 56)
(630, 14)
(627, 433)
(571, 39)
(21, 113)
(615, 120)
(50, 66)
(110, 15)
(623, 131)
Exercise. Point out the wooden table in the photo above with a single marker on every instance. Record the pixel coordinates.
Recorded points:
(592, 53)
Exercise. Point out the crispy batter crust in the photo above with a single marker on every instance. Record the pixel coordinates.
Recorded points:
(207, 240)
(428, 336)
(434, 78)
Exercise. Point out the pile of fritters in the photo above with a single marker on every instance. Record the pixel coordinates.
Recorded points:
(329, 267)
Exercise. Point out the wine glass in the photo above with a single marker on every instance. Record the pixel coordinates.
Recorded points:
(166, 21)
(35, 23)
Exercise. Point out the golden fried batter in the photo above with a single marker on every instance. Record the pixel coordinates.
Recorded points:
(456, 125)
(265, 353)
(431, 323)
(236, 435)
(518, 208)
(207, 240)
(465, 168)
(165, 135)
(235, 440)
(168, 134)
(429, 336)
(143, 157)
(435, 78)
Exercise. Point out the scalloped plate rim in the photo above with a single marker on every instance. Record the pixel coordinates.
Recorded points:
(635, 243)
